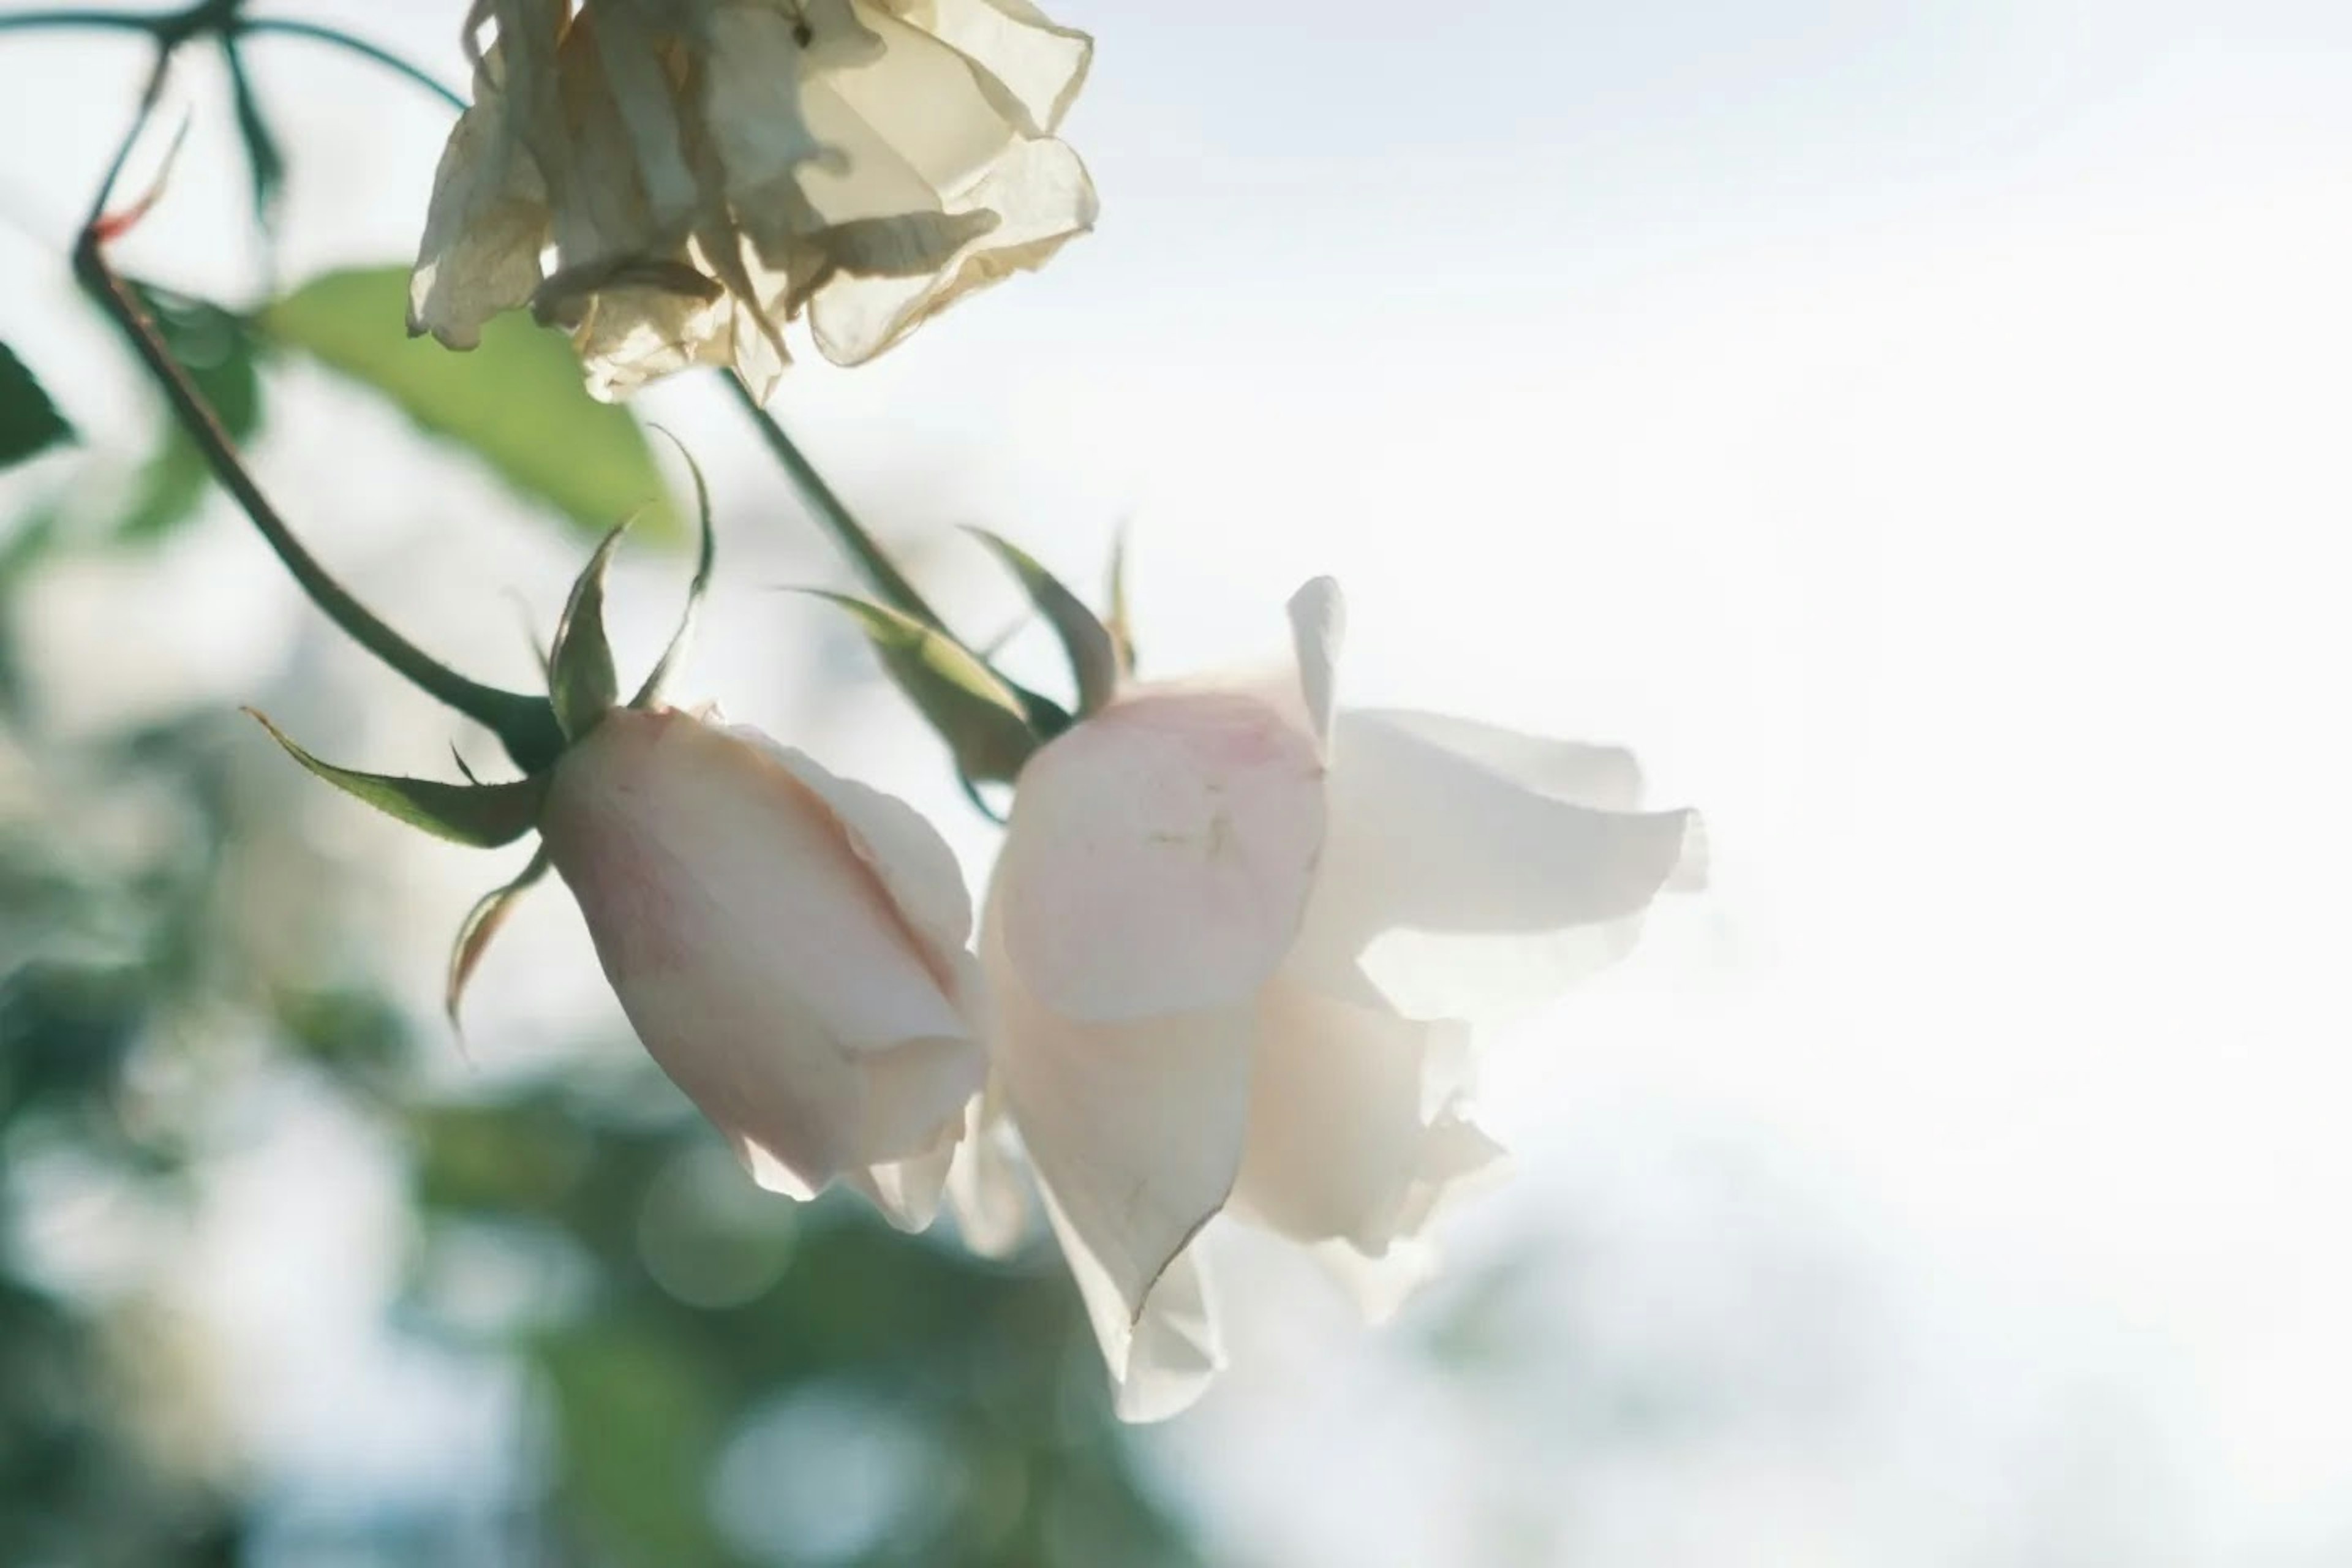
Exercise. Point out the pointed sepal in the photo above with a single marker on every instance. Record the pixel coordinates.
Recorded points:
(980, 717)
(482, 816)
(481, 923)
(1086, 641)
(1116, 620)
(29, 423)
(579, 676)
(650, 694)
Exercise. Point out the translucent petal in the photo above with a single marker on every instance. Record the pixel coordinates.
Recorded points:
(1460, 892)
(1346, 1139)
(1162, 1352)
(1160, 855)
(1031, 68)
(1041, 197)
(485, 227)
(1137, 1125)
(987, 1186)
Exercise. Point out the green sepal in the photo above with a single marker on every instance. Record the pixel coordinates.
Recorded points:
(650, 694)
(482, 816)
(1116, 620)
(480, 924)
(1086, 641)
(978, 715)
(29, 423)
(580, 675)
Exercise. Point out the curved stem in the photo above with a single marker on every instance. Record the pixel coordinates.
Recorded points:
(103, 21)
(525, 725)
(889, 584)
(290, 27)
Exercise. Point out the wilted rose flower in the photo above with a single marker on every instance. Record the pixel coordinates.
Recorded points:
(671, 181)
(791, 947)
(1236, 944)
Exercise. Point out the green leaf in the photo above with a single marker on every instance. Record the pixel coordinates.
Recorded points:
(650, 692)
(29, 423)
(481, 923)
(217, 348)
(482, 816)
(265, 162)
(1092, 651)
(516, 402)
(979, 717)
(579, 674)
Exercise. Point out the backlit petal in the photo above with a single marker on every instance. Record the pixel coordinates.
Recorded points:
(1160, 855)
(1460, 892)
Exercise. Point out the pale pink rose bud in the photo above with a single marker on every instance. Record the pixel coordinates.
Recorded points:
(1236, 944)
(790, 946)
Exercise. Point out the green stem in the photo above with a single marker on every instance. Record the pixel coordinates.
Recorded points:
(168, 28)
(102, 21)
(525, 725)
(290, 27)
(889, 584)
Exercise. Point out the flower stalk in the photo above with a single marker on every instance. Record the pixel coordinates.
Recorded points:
(525, 726)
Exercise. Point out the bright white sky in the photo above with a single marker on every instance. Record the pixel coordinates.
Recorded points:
(1920, 430)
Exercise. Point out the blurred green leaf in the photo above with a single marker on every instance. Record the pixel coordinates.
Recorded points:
(516, 400)
(29, 423)
(497, 1160)
(217, 348)
(640, 1429)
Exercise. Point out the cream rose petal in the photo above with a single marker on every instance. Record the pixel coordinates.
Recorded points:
(1160, 855)
(765, 964)
(1137, 1125)
(1042, 198)
(1356, 1130)
(1461, 892)
(1161, 1354)
(487, 225)
(1030, 67)
(987, 1186)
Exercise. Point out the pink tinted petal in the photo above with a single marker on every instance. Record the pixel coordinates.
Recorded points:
(1160, 855)
(1353, 1134)
(1461, 892)
(761, 960)
(1161, 1354)
(916, 867)
(1137, 1125)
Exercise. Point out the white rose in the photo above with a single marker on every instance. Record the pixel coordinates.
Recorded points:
(671, 181)
(1235, 944)
(790, 946)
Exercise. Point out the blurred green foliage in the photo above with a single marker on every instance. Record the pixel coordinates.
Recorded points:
(715, 1376)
